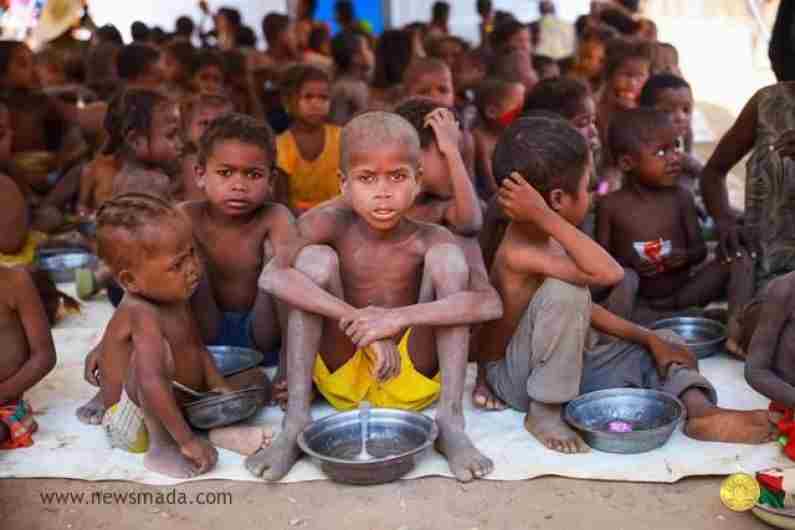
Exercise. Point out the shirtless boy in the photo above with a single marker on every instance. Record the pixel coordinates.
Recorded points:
(651, 224)
(28, 354)
(149, 247)
(235, 171)
(381, 279)
(540, 353)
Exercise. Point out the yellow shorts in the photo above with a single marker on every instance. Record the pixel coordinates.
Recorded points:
(27, 254)
(354, 382)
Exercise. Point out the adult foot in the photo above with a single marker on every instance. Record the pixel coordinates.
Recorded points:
(545, 423)
(166, 459)
(482, 396)
(465, 461)
(92, 412)
(276, 461)
(242, 439)
(732, 426)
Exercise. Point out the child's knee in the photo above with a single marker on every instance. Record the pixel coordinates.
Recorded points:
(568, 298)
(321, 263)
(447, 266)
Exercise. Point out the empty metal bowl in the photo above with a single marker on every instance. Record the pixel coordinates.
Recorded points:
(777, 517)
(704, 337)
(625, 420)
(232, 360)
(226, 409)
(61, 263)
(396, 439)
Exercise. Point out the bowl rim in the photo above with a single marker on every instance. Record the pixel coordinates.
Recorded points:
(775, 511)
(222, 398)
(304, 445)
(665, 323)
(257, 355)
(567, 416)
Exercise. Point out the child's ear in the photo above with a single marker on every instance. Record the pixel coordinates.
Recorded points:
(138, 143)
(556, 199)
(127, 281)
(343, 180)
(200, 172)
(626, 163)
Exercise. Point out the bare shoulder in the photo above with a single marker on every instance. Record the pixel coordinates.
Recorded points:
(16, 284)
(192, 209)
(433, 234)
(272, 213)
(325, 221)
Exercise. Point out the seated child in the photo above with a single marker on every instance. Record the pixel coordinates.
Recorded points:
(235, 172)
(197, 114)
(309, 151)
(539, 354)
(412, 289)
(651, 224)
(154, 339)
(499, 103)
(432, 79)
(28, 354)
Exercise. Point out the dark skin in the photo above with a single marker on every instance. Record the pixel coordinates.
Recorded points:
(770, 365)
(13, 217)
(309, 109)
(28, 351)
(621, 91)
(652, 206)
(96, 183)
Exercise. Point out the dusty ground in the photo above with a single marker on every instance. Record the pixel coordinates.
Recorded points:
(433, 504)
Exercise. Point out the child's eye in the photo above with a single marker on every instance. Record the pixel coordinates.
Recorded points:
(254, 174)
(224, 172)
(399, 177)
(367, 179)
(660, 153)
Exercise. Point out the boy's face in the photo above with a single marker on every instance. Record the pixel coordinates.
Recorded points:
(437, 86)
(591, 59)
(313, 103)
(21, 72)
(521, 41)
(657, 162)
(584, 120)
(201, 119)
(677, 103)
(209, 80)
(236, 178)
(169, 271)
(574, 207)
(6, 134)
(627, 82)
(380, 183)
(165, 140)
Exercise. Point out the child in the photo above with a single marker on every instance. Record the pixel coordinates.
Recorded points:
(197, 114)
(139, 67)
(539, 352)
(511, 35)
(154, 339)
(665, 59)
(626, 71)
(515, 67)
(207, 75)
(408, 265)
(235, 172)
(28, 354)
(546, 67)
(651, 224)
(498, 103)
(309, 152)
(350, 93)
(448, 49)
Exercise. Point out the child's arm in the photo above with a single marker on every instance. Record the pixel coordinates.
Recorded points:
(604, 223)
(696, 250)
(283, 234)
(586, 263)
(759, 371)
(465, 216)
(31, 313)
(14, 217)
(493, 231)
(85, 206)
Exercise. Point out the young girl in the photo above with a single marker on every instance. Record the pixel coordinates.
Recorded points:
(309, 151)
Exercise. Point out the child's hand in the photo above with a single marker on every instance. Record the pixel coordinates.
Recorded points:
(521, 202)
(666, 353)
(367, 325)
(387, 359)
(200, 453)
(91, 368)
(446, 129)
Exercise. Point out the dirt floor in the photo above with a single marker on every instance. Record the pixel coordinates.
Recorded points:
(433, 504)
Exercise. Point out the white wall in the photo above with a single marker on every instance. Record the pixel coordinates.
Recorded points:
(164, 13)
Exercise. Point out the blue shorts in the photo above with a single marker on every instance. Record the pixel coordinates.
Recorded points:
(236, 330)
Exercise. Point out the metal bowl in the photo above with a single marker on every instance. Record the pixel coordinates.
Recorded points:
(232, 360)
(397, 438)
(226, 409)
(625, 420)
(775, 516)
(61, 263)
(704, 337)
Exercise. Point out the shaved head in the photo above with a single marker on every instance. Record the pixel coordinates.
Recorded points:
(378, 129)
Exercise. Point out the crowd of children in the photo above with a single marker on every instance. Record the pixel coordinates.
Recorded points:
(373, 214)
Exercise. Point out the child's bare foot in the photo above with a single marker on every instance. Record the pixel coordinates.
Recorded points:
(482, 396)
(242, 439)
(92, 412)
(465, 461)
(732, 426)
(545, 423)
(276, 461)
(166, 459)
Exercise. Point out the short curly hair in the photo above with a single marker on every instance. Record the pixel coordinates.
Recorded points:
(415, 110)
(242, 128)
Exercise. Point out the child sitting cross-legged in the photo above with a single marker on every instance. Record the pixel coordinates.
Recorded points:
(154, 340)
(539, 353)
(651, 224)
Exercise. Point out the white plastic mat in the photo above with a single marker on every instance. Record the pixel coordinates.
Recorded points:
(65, 448)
